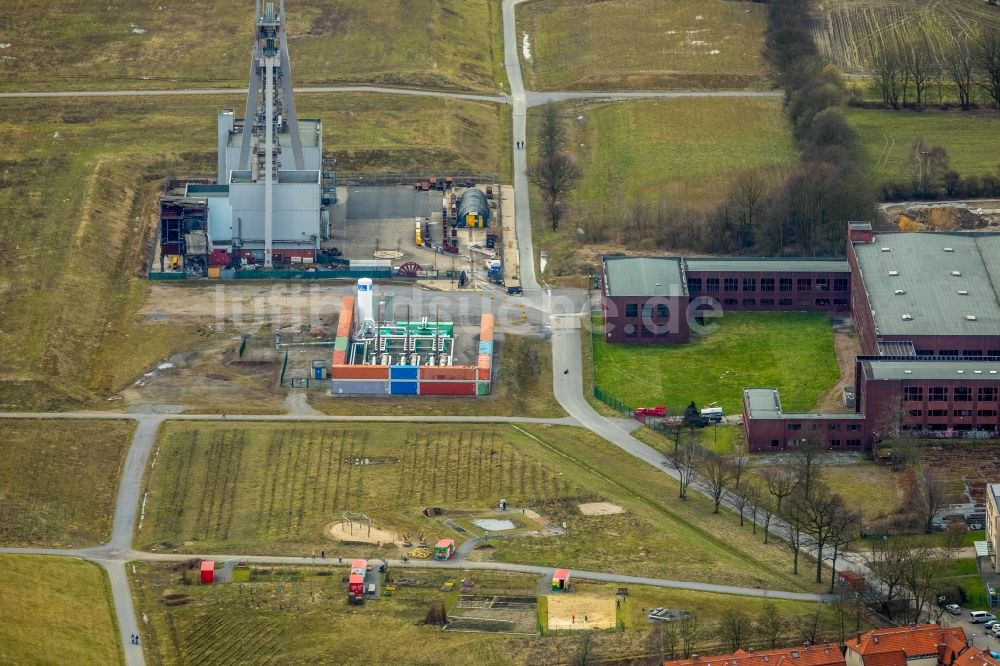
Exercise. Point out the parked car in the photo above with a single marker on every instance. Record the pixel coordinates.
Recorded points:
(989, 624)
(954, 609)
(978, 617)
(996, 629)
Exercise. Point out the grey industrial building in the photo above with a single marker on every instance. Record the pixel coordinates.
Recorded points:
(269, 202)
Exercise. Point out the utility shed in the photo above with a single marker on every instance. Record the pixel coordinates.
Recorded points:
(207, 572)
(473, 209)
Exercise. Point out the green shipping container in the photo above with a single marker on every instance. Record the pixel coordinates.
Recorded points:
(340, 344)
(482, 388)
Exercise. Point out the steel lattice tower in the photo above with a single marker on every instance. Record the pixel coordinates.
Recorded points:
(270, 110)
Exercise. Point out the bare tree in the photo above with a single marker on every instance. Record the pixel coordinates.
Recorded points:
(740, 463)
(663, 640)
(822, 510)
(920, 68)
(844, 530)
(988, 58)
(754, 495)
(888, 74)
(958, 61)
(770, 624)
(920, 571)
(734, 628)
(932, 495)
(795, 517)
(805, 463)
(690, 634)
(781, 482)
(716, 476)
(551, 131)
(809, 626)
(741, 503)
(887, 560)
(685, 462)
(555, 176)
(747, 198)
(766, 509)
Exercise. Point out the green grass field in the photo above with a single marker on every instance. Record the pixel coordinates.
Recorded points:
(79, 188)
(55, 610)
(641, 44)
(300, 615)
(274, 489)
(133, 44)
(59, 481)
(792, 352)
(687, 152)
(972, 140)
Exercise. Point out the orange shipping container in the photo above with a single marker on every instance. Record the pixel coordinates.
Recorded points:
(339, 357)
(486, 327)
(454, 372)
(484, 374)
(360, 372)
(484, 361)
(346, 316)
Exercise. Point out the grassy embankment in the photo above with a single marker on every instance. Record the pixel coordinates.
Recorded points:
(435, 43)
(59, 481)
(274, 489)
(641, 44)
(56, 610)
(80, 187)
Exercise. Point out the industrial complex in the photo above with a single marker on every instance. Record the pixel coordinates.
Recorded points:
(924, 306)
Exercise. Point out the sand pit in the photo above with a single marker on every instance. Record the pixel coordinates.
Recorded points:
(340, 531)
(581, 611)
(600, 509)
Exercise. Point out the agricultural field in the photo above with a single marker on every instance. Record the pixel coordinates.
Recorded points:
(73, 250)
(849, 31)
(60, 481)
(133, 44)
(278, 489)
(687, 152)
(792, 352)
(641, 44)
(56, 610)
(300, 614)
(972, 140)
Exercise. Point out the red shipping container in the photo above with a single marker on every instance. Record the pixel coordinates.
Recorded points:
(360, 372)
(207, 572)
(447, 388)
(484, 374)
(453, 372)
(486, 327)
(339, 358)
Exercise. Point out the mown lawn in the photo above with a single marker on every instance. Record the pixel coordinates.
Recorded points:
(641, 44)
(59, 481)
(972, 140)
(134, 44)
(792, 352)
(56, 610)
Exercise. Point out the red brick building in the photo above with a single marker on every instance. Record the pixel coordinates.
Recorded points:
(645, 300)
(775, 285)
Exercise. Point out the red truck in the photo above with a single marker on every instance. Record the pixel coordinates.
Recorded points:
(642, 412)
(356, 582)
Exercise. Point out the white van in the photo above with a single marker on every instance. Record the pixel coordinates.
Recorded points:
(976, 617)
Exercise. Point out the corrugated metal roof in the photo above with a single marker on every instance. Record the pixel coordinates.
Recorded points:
(736, 265)
(931, 369)
(644, 276)
(932, 283)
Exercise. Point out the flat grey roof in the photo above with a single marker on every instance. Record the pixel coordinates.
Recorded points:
(936, 279)
(762, 403)
(756, 265)
(644, 276)
(765, 403)
(929, 369)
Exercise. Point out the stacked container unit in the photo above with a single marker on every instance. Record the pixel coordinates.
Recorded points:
(353, 379)
(484, 364)
(343, 338)
(403, 380)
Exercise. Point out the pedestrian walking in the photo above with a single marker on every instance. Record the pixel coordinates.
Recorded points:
(573, 621)
(322, 554)
(131, 638)
(584, 618)
(137, 639)
(340, 560)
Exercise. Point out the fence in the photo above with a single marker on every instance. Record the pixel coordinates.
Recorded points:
(284, 366)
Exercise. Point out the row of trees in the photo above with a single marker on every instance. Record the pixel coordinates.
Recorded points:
(556, 171)
(906, 65)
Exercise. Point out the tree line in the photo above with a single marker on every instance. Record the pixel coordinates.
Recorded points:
(905, 71)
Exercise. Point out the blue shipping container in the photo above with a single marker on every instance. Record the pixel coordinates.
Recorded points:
(402, 372)
(359, 387)
(486, 347)
(403, 388)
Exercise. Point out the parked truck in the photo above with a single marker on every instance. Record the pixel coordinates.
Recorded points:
(356, 582)
(444, 549)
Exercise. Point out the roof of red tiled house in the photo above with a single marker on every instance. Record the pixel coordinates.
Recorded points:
(825, 654)
(975, 657)
(921, 639)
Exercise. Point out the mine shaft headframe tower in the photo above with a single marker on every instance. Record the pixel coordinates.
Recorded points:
(270, 109)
